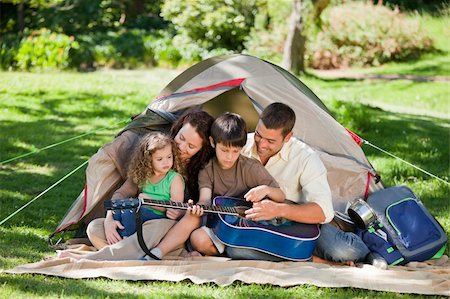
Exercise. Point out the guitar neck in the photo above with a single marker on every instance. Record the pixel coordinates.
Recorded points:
(184, 206)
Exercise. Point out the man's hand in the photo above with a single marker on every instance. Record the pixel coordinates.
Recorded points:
(263, 210)
(111, 226)
(256, 194)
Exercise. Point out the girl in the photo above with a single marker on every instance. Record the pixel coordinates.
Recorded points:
(191, 135)
(153, 167)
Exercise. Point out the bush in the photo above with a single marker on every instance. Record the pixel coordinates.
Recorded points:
(211, 23)
(431, 6)
(359, 34)
(45, 49)
(123, 49)
(9, 45)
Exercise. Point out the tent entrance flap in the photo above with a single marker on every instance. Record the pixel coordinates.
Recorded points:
(234, 100)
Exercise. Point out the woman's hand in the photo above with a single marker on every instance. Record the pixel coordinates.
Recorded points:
(110, 225)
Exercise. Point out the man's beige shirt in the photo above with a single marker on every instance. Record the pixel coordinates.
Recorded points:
(300, 173)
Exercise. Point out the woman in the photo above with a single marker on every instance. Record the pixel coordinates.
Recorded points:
(191, 135)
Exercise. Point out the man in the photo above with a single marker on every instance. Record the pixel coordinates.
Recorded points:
(303, 177)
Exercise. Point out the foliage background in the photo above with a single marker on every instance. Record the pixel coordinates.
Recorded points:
(139, 33)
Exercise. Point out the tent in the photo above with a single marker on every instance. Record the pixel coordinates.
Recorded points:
(242, 84)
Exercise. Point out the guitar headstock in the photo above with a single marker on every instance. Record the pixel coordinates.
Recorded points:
(122, 204)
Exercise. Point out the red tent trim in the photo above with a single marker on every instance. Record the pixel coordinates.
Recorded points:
(355, 137)
(229, 83)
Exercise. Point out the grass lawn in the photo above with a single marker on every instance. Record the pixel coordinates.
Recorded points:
(40, 109)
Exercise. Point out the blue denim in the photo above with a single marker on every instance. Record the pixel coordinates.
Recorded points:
(128, 219)
(333, 245)
(339, 246)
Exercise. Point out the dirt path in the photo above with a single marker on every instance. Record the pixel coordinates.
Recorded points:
(348, 74)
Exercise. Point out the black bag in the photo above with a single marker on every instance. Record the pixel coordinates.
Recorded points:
(403, 230)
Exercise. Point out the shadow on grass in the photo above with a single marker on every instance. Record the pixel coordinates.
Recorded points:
(21, 244)
(418, 139)
(39, 285)
(95, 105)
(422, 141)
(53, 121)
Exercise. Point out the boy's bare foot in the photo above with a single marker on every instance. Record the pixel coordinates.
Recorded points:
(192, 254)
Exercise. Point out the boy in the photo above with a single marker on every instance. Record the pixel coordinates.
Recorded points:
(227, 174)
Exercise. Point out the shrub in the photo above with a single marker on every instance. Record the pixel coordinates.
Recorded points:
(45, 49)
(123, 49)
(359, 34)
(211, 23)
(9, 45)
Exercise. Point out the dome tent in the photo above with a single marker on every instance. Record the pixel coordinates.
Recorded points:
(250, 84)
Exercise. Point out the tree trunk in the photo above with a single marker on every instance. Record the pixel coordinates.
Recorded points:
(294, 47)
(139, 7)
(20, 18)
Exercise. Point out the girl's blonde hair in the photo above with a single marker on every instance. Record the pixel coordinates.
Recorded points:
(141, 169)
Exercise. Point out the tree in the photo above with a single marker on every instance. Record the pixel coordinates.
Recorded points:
(294, 46)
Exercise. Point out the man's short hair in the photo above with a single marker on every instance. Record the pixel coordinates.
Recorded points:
(229, 129)
(278, 116)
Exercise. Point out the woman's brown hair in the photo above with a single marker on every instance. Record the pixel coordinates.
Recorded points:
(201, 121)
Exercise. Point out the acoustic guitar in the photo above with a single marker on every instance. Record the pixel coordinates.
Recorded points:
(286, 239)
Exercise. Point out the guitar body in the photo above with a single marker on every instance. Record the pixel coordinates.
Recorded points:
(289, 240)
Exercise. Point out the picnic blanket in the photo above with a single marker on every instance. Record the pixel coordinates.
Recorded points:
(430, 278)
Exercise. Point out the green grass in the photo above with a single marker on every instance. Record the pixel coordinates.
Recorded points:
(420, 98)
(41, 109)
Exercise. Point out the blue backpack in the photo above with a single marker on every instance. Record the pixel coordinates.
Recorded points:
(404, 231)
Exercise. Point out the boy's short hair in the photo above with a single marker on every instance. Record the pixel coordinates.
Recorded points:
(229, 129)
(278, 116)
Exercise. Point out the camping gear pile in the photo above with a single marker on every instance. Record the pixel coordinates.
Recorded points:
(395, 224)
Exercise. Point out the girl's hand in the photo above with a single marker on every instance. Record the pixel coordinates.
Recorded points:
(174, 214)
(110, 225)
(143, 196)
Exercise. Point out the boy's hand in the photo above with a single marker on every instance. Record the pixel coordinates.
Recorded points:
(195, 210)
(256, 194)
